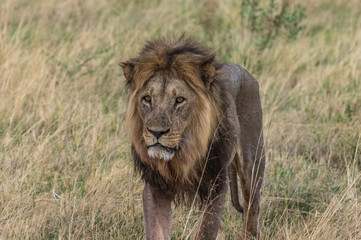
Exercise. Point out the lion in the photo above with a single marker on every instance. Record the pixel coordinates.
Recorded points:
(194, 124)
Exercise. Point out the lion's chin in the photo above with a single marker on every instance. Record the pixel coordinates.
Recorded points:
(160, 153)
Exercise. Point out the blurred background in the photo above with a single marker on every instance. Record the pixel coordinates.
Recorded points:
(65, 166)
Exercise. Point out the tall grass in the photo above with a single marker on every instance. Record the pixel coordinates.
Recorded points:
(65, 165)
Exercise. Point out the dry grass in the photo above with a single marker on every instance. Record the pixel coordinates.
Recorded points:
(65, 166)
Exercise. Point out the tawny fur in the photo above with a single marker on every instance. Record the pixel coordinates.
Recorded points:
(223, 126)
(156, 57)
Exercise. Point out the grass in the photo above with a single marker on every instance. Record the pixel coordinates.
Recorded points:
(65, 164)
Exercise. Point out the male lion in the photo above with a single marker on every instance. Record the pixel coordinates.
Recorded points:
(193, 121)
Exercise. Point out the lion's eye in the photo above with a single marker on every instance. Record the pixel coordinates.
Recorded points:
(147, 98)
(179, 100)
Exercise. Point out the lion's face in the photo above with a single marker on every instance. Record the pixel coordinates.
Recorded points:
(166, 106)
(173, 111)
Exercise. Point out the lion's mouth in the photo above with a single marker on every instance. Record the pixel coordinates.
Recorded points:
(159, 151)
(169, 150)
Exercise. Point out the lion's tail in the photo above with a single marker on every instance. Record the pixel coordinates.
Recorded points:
(233, 185)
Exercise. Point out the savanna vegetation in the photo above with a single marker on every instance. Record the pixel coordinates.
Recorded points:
(65, 164)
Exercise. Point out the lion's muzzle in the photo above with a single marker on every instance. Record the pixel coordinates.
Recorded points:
(160, 144)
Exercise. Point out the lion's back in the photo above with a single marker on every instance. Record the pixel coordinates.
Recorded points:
(235, 77)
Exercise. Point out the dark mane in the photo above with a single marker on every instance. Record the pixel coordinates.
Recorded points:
(198, 66)
(173, 54)
(167, 48)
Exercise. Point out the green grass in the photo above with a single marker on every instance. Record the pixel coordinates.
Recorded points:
(62, 106)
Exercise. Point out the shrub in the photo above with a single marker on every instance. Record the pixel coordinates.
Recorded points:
(268, 21)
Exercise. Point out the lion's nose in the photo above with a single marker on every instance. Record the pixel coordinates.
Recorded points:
(158, 134)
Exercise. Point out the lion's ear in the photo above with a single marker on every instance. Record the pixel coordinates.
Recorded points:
(208, 74)
(128, 70)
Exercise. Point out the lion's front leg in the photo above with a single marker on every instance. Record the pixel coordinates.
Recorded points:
(211, 215)
(157, 214)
